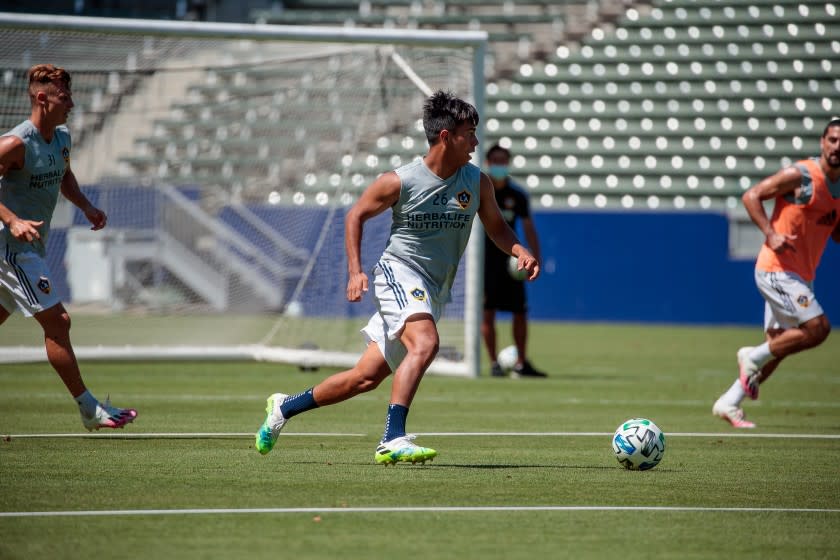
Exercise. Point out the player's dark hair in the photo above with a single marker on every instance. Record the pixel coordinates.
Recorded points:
(835, 121)
(497, 148)
(443, 111)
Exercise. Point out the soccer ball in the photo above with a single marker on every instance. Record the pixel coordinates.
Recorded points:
(514, 272)
(638, 444)
(507, 358)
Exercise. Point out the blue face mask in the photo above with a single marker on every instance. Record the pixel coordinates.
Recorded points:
(497, 171)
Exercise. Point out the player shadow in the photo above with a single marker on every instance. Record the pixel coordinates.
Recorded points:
(439, 465)
(442, 465)
(586, 376)
(520, 466)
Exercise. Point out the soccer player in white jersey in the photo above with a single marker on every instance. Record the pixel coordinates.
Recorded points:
(433, 202)
(34, 167)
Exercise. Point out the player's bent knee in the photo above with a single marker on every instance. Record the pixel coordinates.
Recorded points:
(425, 345)
(366, 384)
(55, 321)
(368, 379)
(428, 348)
(774, 333)
(369, 385)
(816, 331)
(822, 334)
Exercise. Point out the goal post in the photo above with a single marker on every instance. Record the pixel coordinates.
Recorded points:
(226, 156)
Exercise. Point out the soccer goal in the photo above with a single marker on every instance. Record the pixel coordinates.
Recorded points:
(226, 157)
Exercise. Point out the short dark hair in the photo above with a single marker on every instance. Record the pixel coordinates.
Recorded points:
(835, 121)
(443, 111)
(497, 148)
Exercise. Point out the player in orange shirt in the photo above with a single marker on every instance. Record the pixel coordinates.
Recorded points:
(805, 215)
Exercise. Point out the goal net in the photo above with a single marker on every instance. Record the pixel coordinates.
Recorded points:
(226, 157)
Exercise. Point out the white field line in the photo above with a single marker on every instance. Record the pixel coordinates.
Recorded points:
(409, 509)
(610, 434)
(172, 435)
(221, 435)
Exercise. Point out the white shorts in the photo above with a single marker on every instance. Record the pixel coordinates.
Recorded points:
(25, 282)
(399, 292)
(790, 300)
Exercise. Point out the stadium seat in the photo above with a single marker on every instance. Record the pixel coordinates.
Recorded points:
(689, 99)
(710, 95)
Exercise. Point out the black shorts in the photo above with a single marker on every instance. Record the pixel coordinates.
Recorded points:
(501, 291)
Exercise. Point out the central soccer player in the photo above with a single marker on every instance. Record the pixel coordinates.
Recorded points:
(433, 202)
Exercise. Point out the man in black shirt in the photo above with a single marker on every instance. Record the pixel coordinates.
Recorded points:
(502, 291)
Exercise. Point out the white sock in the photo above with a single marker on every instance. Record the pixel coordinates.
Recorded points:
(760, 355)
(735, 394)
(87, 403)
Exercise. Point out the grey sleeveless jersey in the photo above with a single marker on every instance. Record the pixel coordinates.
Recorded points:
(432, 222)
(32, 191)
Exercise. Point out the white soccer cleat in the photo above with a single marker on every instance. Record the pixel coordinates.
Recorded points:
(748, 372)
(732, 414)
(107, 416)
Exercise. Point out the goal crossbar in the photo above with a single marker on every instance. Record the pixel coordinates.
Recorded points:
(257, 31)
(475, 40)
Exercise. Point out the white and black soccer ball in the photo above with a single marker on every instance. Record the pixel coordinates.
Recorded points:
(638, 444)
(507, 358)
(513, 270)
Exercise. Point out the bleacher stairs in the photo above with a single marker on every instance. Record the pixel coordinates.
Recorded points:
(167, 232)
(673, 105)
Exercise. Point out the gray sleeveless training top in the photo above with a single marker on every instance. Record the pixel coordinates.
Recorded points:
(432, 222)
(32, 192)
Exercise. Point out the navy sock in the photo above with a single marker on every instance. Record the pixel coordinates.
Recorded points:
(395, 422)
(296, 404)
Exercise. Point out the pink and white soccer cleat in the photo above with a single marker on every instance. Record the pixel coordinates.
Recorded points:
(732, 414)
(107, 416)
(748, 372)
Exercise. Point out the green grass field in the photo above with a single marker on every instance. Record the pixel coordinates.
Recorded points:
(525, 468)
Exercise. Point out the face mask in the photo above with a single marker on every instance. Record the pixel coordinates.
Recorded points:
(498, 171)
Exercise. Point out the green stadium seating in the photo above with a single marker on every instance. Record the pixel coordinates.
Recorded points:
(720, 93)
(678, 104)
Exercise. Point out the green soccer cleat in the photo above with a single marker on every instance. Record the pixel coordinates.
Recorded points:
(270, 430)
(402, 450)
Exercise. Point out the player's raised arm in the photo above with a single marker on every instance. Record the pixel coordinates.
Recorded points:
(378, 197)
(499, 231)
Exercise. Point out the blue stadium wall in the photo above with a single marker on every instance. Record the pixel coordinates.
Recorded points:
(653, 268)
(648, 267)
